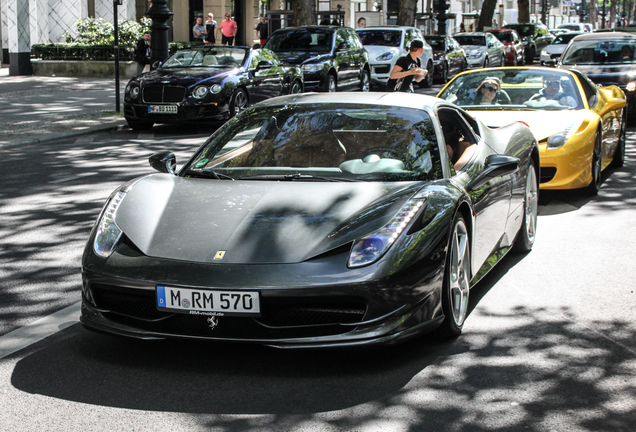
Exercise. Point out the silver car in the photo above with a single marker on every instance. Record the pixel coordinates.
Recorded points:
(482, 49)
(386, 44)
(556, 48)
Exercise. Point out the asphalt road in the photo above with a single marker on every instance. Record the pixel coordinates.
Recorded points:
(550, 343)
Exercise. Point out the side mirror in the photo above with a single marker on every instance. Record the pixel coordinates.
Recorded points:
(264, 64)
(496, 166)
(156, 65)
(165, 162)
(343, 46)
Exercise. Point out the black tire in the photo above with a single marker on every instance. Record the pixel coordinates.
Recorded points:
(365, 81)
(523, 58)
(239, 102)
(139, 125)
(530, 57)
(486, 62)
(330, 86)
(445, 73)
(595, 184)
(296, 87)
(456, 284)
(428, 79)
(527, 232)
(619, 154)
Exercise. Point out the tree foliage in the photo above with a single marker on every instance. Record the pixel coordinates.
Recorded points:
(98, 31)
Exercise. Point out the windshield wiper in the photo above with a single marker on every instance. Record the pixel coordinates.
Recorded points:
(297, 176)
(208, 173)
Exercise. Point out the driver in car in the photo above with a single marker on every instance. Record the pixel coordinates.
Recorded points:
(552, 91)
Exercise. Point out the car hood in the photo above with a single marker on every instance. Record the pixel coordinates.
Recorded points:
(253, 222)
(186, 76)
(542, 123)
(555, 49)
(471, 48)
(605, 75)
(297, 58)
(376, 51)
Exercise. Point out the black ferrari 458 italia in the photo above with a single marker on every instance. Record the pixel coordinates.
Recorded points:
(211, 83)
(312, 221)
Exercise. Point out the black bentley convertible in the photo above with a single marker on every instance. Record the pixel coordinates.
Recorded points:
(314, 220)
(207, 83)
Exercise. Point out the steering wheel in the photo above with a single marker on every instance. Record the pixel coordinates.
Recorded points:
(382, 152)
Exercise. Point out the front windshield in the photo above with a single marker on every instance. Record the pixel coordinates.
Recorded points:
(390, 38)
(587, 52)
(436, 44)
(311, 39)
(514, 89)
(504, 36)
(321, 141)
(564, 39)
(523, 30)
(207, 57)
(471, 40)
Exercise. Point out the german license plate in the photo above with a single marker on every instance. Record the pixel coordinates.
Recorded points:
(207, 302)
(163, 109)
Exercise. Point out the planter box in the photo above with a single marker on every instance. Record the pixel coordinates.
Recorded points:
(83, 68)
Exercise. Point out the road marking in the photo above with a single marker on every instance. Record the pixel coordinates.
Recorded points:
(75, 177)
(36, 331)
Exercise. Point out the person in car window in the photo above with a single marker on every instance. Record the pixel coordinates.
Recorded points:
(487, 92)
(552, 91)
(408, 67)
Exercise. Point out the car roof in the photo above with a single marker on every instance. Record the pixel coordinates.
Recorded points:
(470, 34)
(604, 36)
(313, 27)
(401, 99)
(386, 27)
(501, 31)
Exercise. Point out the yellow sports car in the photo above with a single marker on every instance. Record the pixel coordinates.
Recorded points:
(580, 128)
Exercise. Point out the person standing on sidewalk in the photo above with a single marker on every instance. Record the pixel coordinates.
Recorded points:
(210, 29)
(262, 31)
(228, 30)
(407, 68)
(142, 53)
(198, 30)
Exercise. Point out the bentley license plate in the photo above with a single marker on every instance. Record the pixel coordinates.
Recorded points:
(163, 109)
(208, 303)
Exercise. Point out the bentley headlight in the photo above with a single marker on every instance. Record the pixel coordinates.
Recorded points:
(559, 139)
(200, 92)
(385, 56)
(370, 248)
(108, 233)
(312, 67)
(215, 89)
(631, 86)
(134, 92)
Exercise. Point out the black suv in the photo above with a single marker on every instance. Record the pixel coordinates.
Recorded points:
(332, 57)
(535, 37)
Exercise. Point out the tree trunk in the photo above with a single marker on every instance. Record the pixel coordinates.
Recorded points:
(406, 12)
(524, 11)
(593, 14)
(612, 13)
(487, 12)
(304, 11)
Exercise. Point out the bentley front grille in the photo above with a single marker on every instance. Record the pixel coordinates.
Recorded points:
(163, 94)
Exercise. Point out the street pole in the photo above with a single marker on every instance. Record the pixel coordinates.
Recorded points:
(603, 19)
(115, 20)
(160, 14)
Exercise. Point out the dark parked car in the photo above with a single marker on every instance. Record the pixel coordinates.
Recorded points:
(449, 57)
(535, 37)
(332, 57)
(514, 51)
(207, 83)
(315, 220)
(606, 59)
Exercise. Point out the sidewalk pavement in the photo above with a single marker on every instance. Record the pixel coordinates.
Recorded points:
(36, 109)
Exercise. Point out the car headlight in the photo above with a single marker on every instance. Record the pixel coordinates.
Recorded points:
(544, 53)
(385, 56)
(200, 92)
(559, 139)
(312, 67)
(215, 89)
(508, 49)
(370, 248)
(475, 54)
(108, 233)
(631, 86)
(134, 92)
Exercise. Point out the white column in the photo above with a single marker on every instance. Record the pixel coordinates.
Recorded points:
(39, 21)
(19, 38)
(63, 15)
(104, 9)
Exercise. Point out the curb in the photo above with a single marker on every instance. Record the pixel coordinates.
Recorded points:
(60, 136)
